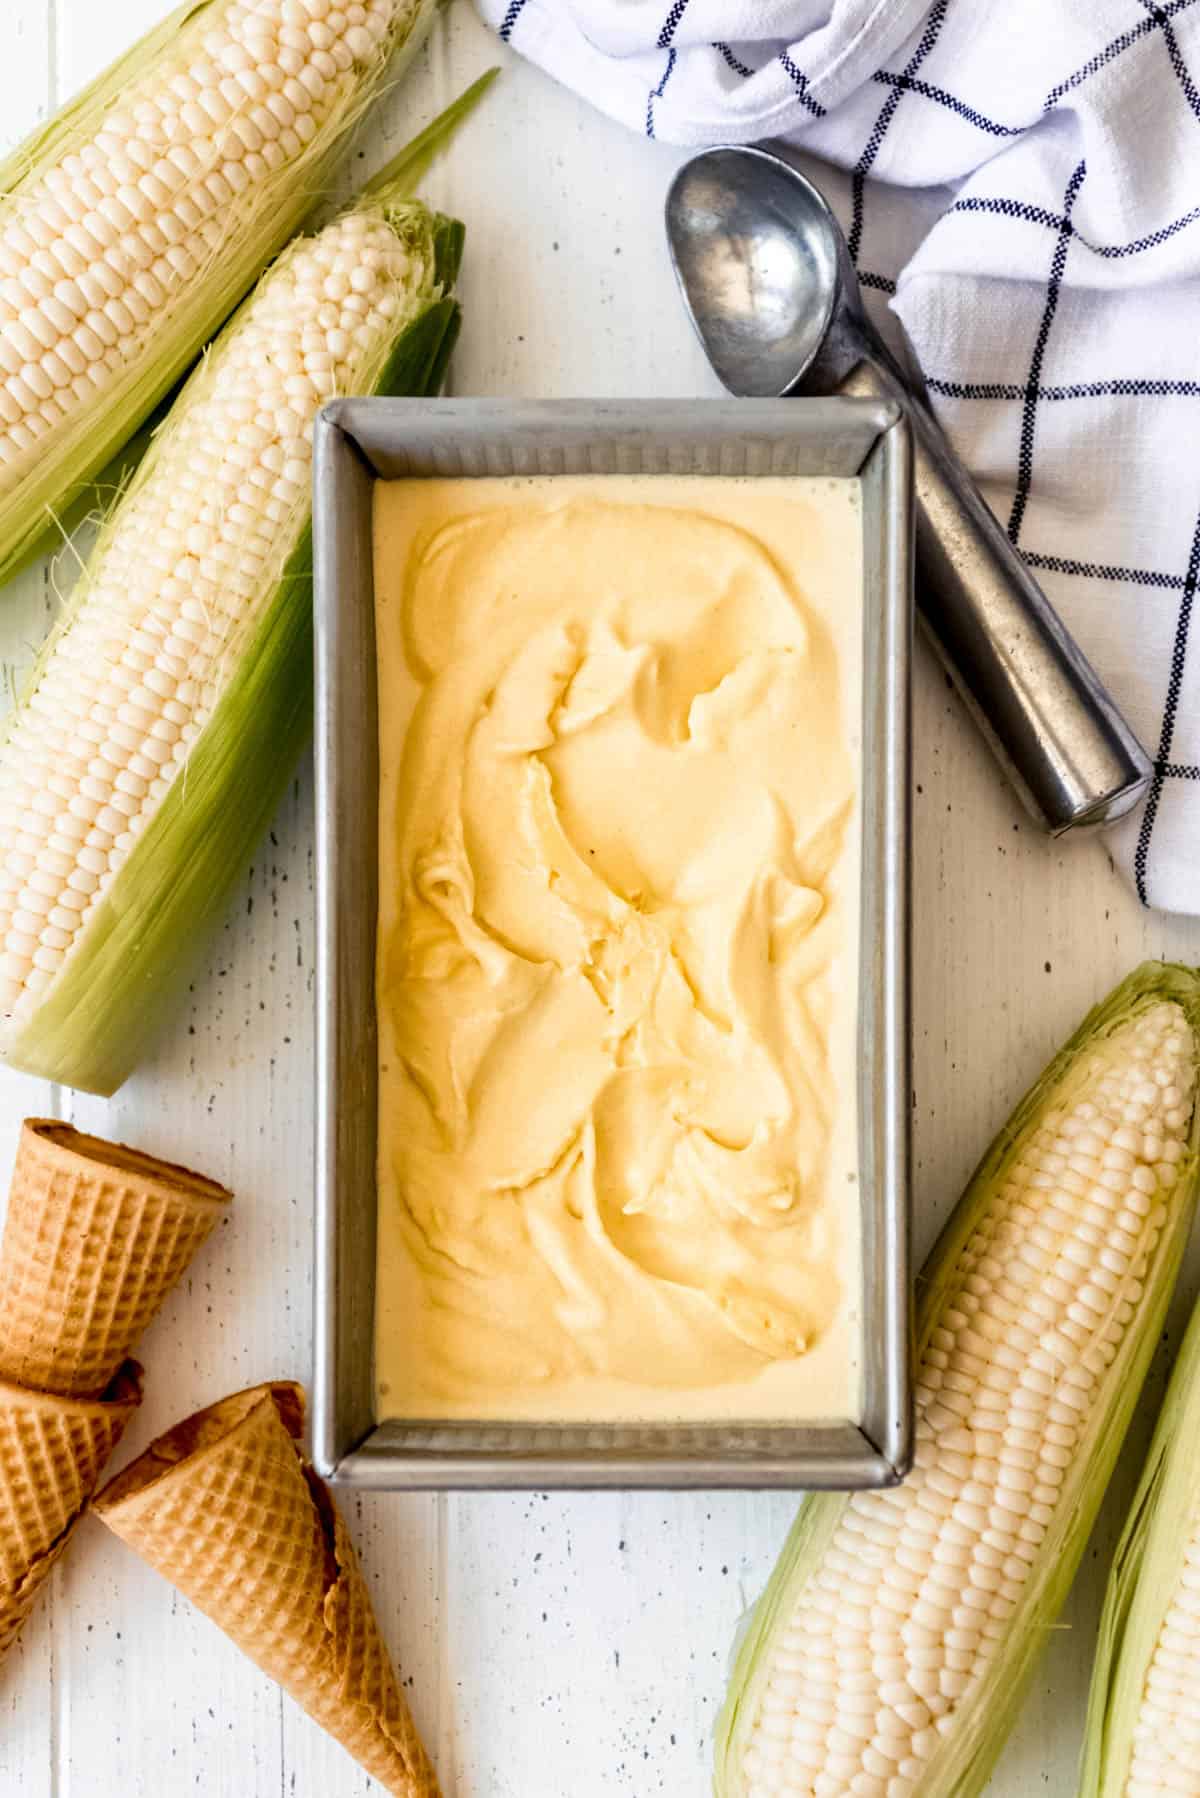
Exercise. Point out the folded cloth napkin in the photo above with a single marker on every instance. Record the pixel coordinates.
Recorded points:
(1022, 184)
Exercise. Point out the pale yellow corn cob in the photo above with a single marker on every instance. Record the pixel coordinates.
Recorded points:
(887, 1658)
(1143, 1732)
(172, 599)
(132, 224)
(1166, 1734)
(167, 709)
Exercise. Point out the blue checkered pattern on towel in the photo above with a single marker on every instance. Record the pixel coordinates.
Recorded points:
(1020, 185)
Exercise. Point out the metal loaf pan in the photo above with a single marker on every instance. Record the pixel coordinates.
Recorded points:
(356, 441)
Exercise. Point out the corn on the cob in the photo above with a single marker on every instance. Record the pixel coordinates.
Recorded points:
(134, 221)
(1143, 1730)
(889, 1653)
(167, 709)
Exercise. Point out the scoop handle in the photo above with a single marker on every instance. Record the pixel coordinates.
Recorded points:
(1035, 696)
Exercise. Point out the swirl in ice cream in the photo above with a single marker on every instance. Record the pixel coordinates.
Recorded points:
(617, 956)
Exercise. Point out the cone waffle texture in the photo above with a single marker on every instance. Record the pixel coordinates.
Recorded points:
(52, 1453)
(226, 1507)
(96, 1236)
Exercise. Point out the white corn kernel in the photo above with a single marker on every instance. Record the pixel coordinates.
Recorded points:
(999, 1420)
(175, 590)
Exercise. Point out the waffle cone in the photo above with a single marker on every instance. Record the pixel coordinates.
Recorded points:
(227, 1508)
(96, 1236)
(52, 1453)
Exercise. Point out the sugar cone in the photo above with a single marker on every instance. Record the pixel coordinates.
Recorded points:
(96, 1236)
(52, 1453)
(227, 1508)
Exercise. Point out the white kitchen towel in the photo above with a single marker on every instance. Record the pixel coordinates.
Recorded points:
(1022, 183)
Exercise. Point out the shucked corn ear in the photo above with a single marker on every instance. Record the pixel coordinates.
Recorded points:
(164, 717)
(135, 220)
(1143, 1729)
(890, 1651)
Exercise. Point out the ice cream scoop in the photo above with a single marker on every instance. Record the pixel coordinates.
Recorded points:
(766, 276)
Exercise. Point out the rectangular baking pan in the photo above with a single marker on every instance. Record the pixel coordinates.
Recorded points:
(357, 440)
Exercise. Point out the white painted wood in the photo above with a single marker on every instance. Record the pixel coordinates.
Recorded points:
(552, 1646)
(30, 1691)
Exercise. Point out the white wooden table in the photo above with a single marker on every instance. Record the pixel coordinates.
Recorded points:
(553, 1647)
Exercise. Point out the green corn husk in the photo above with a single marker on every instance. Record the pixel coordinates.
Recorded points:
(46, 498)
(961, 1764)
(1144, 1579)
(135, 950)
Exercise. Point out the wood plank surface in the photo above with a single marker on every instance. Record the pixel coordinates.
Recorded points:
(554, 1647)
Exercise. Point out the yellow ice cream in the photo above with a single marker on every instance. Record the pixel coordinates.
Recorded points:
(617, 964)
